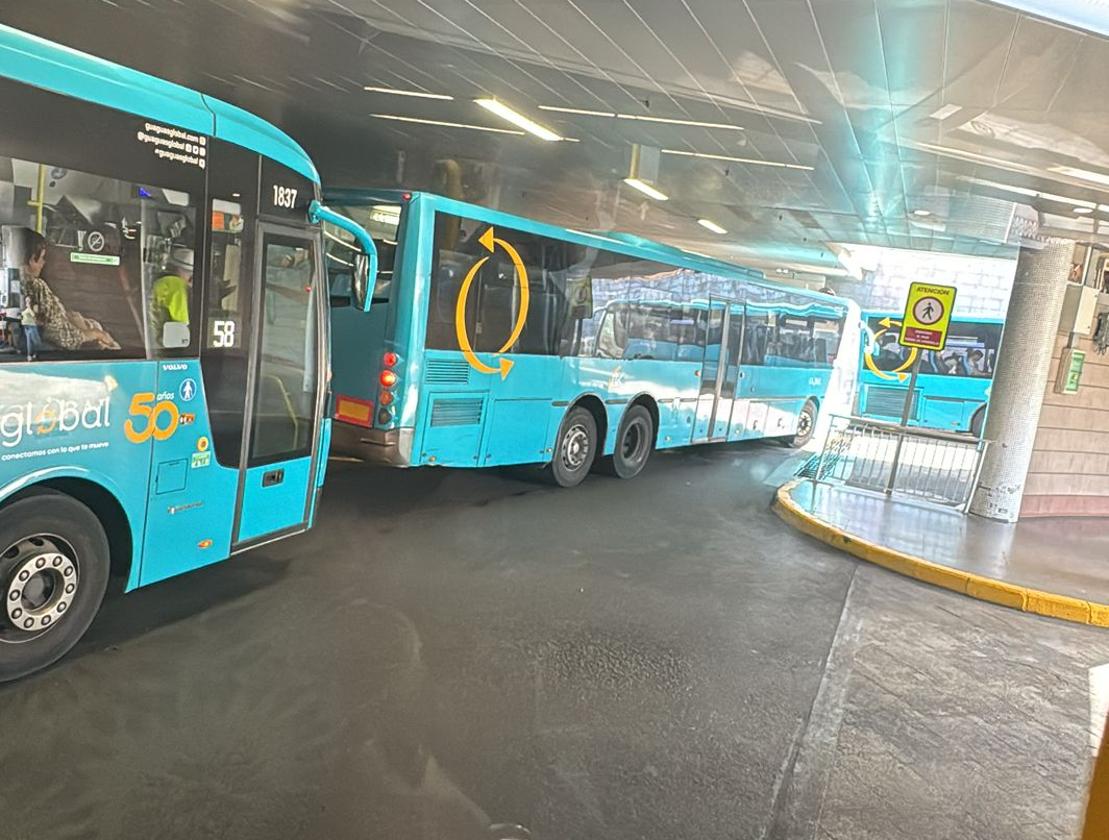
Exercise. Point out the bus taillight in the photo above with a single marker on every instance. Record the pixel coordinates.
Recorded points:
(390, 359)
(387, 379)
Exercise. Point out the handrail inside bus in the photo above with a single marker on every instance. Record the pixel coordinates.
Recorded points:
(320, 213)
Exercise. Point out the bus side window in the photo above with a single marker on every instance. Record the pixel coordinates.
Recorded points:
(86, 259)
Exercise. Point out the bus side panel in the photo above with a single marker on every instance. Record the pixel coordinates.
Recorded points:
(777, 395)
(190, 510)
(69, 419)
(673, 386)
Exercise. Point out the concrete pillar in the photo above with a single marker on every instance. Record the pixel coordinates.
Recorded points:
(1020, 377)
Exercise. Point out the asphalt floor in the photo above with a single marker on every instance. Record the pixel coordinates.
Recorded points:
(471, 654)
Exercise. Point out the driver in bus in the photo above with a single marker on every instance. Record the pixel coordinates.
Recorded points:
(61, 328)
(169, 299)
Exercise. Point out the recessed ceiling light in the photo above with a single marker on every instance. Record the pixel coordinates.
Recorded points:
(421, 121)
(1082, 174)
(711, 225)
(1083, 211)
(517, 119)
(752, 161)
(585, 112)
(945, 112)
(422, 94)
(673, 121)
(646, 189)
(922, 213)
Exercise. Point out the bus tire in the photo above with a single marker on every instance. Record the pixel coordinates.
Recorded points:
(575, 448)
(54, 567)
(806, 426)
(978, 422)
(635, 440)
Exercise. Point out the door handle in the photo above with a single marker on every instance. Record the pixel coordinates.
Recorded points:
(273, 478)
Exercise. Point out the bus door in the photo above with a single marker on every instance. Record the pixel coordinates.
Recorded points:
(714, 371)
(283, 400)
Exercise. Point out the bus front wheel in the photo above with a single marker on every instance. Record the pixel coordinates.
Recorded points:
(634, 442)
(54, 565)
(575, 448)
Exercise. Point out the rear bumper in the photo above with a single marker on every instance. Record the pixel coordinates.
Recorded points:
(392, 447)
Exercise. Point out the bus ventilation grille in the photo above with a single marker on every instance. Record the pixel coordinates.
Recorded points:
(456, 412)
(444, 372)
(887, 402)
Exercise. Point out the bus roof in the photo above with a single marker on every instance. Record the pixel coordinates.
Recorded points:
(44, 64)
(625, 243)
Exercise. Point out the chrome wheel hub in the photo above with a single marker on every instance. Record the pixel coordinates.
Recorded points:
(804, 423)
(40, 584)
(575, 447)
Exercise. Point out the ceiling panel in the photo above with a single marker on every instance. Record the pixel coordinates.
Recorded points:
(956, 107)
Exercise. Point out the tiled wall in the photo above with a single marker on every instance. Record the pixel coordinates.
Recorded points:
(1069, 474)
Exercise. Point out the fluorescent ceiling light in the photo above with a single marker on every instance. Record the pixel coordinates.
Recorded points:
(1062, 199)
(646, 189)
(585, 112)
(399, 118)
(711, 225)
(752, 161)
(517, 119)
(922, 213)
(672, 121)
(396, 92)
(945, 112)
(1082, 174)
(1083, 211)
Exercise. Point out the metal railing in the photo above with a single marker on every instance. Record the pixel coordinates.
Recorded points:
(926, 464)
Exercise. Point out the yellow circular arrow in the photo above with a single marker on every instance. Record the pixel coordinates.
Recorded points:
(868, 356)
(490, 241)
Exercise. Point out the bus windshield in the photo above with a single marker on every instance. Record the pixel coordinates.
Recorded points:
(382, 222)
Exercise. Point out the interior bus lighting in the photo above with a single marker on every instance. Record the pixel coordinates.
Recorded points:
(711, 225)
(646, 189)
(497, 107)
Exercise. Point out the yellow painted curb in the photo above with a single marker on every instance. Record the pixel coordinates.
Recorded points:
(976, 586)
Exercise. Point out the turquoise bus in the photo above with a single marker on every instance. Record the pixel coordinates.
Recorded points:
(164, 352)
(953, 385)
(497, 340)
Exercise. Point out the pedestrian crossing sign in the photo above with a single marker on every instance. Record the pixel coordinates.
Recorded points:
(927, 316)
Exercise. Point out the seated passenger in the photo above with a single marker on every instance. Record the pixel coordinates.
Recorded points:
(169, 298)
(59, 327)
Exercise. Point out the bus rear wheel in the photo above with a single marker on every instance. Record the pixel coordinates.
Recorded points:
(634, 442)
(575, 448)
(54, 565)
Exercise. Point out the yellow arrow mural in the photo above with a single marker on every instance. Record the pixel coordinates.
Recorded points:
(490, 241)
(868, 357)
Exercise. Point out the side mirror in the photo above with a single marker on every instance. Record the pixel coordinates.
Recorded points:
(360, 288)
(364, 275)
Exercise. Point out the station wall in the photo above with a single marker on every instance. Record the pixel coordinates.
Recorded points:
(1069, 473)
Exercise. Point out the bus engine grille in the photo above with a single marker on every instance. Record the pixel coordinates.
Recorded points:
(464, 411)
(447, 372)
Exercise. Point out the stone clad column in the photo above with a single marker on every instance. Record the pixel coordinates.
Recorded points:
(1020, 377)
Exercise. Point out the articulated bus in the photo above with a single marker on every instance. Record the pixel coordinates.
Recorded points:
(164, 354)
(953, 385)
(497, 340)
